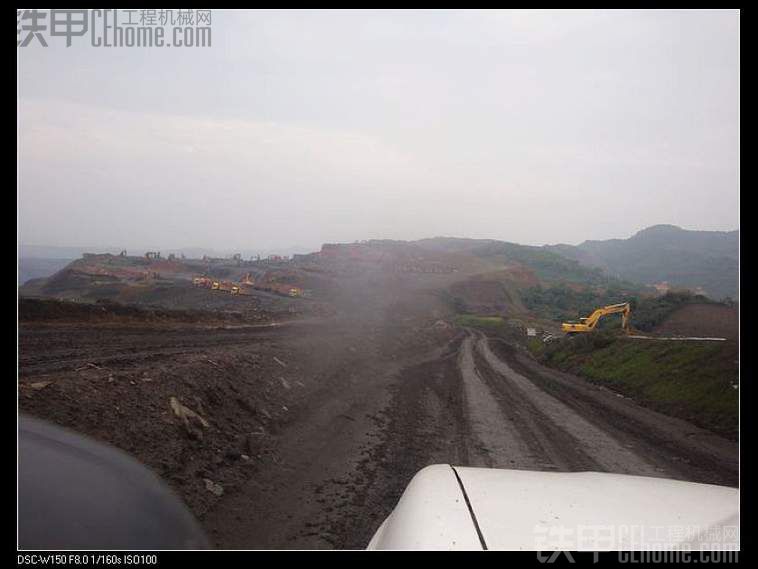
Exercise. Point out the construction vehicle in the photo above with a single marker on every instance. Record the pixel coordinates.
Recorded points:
(222, 286)
(202, 282)
(228, 286)
(588, 324)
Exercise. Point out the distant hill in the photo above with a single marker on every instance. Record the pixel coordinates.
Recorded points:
(550, 266)
(41, 261)
(706, 260)
(479, 275)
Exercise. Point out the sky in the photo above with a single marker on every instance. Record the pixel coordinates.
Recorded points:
(296, 128)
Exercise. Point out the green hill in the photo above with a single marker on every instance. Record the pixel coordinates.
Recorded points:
(666, 253)
(549, 266)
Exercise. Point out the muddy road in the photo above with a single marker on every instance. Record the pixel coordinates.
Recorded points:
(316, 428)
(464, 404)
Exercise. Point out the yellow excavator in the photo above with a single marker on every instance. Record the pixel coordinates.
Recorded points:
(588, 324)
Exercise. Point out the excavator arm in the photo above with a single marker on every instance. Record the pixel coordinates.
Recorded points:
(588, 324)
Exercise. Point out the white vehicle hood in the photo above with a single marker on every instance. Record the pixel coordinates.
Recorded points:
(447, 507)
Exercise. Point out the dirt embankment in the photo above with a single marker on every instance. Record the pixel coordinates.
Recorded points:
(196, 405)
(59, 311)
(229, 414)
(702, 320)
(487, 294)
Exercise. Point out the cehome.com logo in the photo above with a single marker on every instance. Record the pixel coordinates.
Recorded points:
(115, 28)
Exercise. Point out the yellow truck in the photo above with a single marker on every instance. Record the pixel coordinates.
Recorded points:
(588, 324)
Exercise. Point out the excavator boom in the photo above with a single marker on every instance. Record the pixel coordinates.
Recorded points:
(588, 324)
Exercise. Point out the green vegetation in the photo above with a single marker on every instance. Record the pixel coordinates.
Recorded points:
(689, 259)
(691, 380)
(650, 312)
(508, 329)
(474, 321)
(562, 303)
(547, 265)
(536, 346)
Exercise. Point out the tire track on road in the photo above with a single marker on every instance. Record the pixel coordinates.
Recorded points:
(557, 448)
(499, 443)
(678, 448)
(516, 424)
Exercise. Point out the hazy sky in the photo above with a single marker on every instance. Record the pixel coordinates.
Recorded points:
(297, 128)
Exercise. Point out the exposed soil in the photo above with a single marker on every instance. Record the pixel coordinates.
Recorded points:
(486, 295)
(702, 320)
(311, 429)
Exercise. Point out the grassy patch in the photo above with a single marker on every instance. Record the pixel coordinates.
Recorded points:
(562, 303)
(536, 347)
(474, 321)
(691, 380)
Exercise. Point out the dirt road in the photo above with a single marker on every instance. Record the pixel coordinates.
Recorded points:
(317, 428)
(473, 402)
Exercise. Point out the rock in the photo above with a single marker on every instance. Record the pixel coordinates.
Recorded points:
(213, 488)
(193, 422)
(40, 384)
(244, 457)
(285, 383)
(441, 325)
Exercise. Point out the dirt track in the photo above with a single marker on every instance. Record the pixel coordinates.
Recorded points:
(345, 466)
(336, 417)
